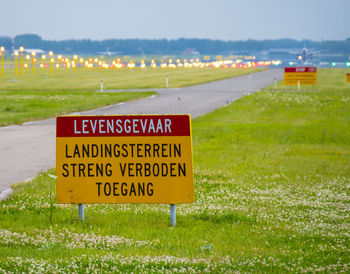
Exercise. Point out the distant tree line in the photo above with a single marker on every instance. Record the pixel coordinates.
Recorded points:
(164, 46)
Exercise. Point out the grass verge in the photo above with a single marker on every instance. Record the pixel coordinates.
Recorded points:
(272, 184)
(22, 106)
(89, 79)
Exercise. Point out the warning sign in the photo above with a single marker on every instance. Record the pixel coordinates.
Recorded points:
(303, 75)
(124, 159)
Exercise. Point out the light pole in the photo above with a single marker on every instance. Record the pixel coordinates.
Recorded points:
(96, 61)
(33, 54)
(75, 57)
(21, 49)
(26, 65)
(16, 62)
(51, 65)
(2, 49)
(59, 57)
(51, 62)
(81, 63)
(44, 58)
(66, 61)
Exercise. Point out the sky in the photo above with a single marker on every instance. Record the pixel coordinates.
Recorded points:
(157, 19)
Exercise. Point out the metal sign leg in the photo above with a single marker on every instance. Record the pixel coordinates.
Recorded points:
(81, 212)
(173, 215)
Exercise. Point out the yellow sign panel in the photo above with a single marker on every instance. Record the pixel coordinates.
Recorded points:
(348, 77)
(303, 75)
(124, 159)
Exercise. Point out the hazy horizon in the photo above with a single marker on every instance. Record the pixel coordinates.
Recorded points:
(227, 20)
(118, 38)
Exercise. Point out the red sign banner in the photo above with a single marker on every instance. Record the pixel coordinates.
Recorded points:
(301, 69)
(132, 125)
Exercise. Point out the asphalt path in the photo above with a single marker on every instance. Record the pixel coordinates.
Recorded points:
(30, 148)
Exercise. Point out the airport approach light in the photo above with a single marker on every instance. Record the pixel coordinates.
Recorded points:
(44, 58)
(52, 60)
(142, 65)
(131, 65)
(21, 49)
(232, 62)
(34, 60)
(75, 57)
(59, 58)
(2, 49)
(81, 63)
(43, 63)
(16, 61)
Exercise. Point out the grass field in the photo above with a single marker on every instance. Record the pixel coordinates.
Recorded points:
(22, 106)
(272, 186)
(89, 79)
(35, 97)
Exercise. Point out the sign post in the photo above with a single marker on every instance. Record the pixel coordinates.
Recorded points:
(173, 215)
(124, 159)
(348, 77)
(300, 76)
(81, 212)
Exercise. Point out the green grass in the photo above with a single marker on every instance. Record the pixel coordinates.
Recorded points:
(272, 193)
(89, 79)
(22, 106)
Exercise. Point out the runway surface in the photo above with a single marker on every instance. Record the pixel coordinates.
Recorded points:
(30, 148)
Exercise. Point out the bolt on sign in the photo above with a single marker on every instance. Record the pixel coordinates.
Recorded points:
(303, 75)
(124, 159)
(348, 77)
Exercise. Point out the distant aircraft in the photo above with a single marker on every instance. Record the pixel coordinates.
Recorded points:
(190, 51)
(108, 53)
(305, 54)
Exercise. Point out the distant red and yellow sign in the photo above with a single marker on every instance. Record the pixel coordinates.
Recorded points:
(303, 75)
(124, 159)
(348, 77)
